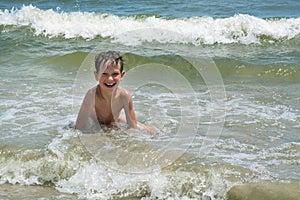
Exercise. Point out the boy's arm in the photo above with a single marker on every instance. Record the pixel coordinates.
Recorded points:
(85, 110)
(130, 116)
(130, 113)
(132, 123)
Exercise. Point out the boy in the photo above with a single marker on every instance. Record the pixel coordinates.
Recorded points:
(104, 102)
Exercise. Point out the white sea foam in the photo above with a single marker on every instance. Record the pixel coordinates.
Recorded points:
(93, 181)
(240, 28)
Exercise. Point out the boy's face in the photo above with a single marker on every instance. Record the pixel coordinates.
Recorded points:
(109, 77)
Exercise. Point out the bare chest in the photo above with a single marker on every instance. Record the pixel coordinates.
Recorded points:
(107, 111)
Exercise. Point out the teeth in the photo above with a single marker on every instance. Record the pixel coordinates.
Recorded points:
(109, 84)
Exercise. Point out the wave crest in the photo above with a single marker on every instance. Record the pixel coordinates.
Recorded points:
(241, 28)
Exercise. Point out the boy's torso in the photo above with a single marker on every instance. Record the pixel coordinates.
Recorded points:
(108, 111)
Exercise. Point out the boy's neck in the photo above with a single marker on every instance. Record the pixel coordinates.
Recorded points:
(105, 96)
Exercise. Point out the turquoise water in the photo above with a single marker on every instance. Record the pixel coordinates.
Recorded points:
(171, 8)
(220, 80)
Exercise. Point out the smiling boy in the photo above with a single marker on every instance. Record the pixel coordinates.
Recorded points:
(104, 102)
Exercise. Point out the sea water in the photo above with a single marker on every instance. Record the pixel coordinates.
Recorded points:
(219, 80)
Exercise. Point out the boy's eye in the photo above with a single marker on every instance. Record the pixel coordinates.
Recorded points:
(104, 74)
(116, 74)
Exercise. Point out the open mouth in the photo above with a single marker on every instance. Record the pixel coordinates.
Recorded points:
(109, 85)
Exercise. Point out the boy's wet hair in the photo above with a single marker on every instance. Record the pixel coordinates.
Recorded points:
(106, 58)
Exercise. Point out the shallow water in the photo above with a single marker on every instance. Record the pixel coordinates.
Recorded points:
(222, 89)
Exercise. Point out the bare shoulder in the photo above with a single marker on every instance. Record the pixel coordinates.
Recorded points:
(90, 94)
(124, 94)
(91, 91)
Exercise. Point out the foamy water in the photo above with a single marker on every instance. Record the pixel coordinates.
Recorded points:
(241, 28)
(222, 89)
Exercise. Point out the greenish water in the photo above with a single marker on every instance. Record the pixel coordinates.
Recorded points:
(226, 104)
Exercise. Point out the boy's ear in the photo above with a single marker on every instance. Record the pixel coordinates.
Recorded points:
(122, 74)
(96, 76)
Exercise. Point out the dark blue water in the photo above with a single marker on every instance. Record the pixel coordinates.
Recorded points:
(171, 8)
(254, 45)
